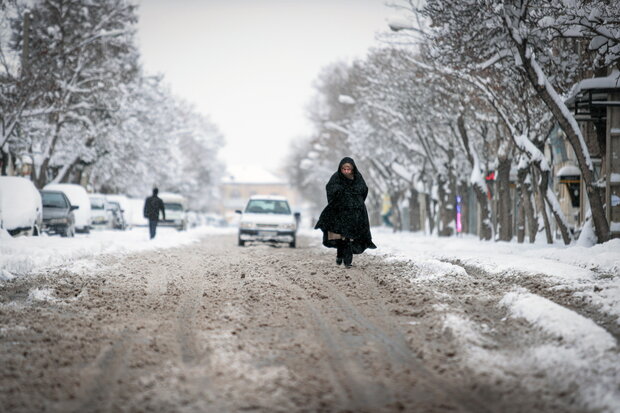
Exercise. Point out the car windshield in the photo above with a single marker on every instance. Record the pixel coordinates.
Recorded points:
(53, 200)
(97, 203)
(173, 207)
(268, 206)
(112, 205)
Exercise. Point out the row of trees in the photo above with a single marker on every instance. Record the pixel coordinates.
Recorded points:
(76, 106)
(467, 88)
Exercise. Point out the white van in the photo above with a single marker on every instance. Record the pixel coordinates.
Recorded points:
(175, 206)
(77, 196)
(21, 210)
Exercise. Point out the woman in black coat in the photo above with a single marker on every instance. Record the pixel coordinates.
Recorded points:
(344, 221)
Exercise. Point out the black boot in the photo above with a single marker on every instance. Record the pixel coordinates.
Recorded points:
(347, 254)
(339, 251)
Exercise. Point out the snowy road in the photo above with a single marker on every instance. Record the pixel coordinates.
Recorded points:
(213, 327)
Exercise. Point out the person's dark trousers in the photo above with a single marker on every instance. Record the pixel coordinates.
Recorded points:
(152, 227)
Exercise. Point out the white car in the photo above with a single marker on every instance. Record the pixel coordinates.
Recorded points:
(175, 207)
(77, 196)
(268, 218)
(100, 216)
(21, 210)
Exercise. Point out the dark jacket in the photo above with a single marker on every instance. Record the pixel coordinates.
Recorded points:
(345, 213)
(152, 206)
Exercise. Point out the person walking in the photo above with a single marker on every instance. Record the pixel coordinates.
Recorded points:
(344, 221)
(152, 205)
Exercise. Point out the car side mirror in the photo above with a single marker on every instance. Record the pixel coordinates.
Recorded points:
(297, 215)
(122, 210)
(237, 211)
(74, 207)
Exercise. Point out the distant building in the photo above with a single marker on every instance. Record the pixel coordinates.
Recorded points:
(243, 182)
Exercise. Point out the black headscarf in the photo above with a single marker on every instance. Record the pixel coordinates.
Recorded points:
(345, 213)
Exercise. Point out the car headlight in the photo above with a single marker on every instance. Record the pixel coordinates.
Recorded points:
(286, 226)
(58, 221)
(247, 225)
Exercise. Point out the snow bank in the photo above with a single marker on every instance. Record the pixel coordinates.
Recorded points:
(591, 376)
(580, 332)
(23, 255)
(567, 264)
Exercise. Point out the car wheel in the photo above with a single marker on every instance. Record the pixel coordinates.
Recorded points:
(35, 231)
(241, 242)
(293, 243)
(69, 231)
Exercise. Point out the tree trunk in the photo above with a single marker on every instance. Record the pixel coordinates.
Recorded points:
(446, 210)
(520, 209)
(374, 214)
(414, 211)
(41, 178)
(520, 220)
(528, 207)
(543, 211)
(505, 207)
(554, 206)
(486, 226)
(430, 216)
(568, 124)
(398, 219)
(464, 207)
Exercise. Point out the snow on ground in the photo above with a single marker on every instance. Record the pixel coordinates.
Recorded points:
(592, 273)
(580, 355)
(581, 352)
(23, 255)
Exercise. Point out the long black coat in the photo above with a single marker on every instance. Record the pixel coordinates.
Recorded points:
(345, 213)
(152, 206)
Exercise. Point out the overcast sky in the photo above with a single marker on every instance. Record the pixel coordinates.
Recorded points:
(250, 64)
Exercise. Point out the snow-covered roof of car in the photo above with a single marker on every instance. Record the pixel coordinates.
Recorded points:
(172, 197)
(270, 197)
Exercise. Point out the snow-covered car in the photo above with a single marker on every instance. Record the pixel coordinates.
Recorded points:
(100, 216)
(21, 210)
(125, 205)
(58, 215)
(77, 196)
(267, 218)
(174, 205)
(117, 219)
(134, 214)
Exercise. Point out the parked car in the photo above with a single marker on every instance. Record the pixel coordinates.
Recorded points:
(125, 205)
(117, 220)
(268, 218)
(21, 210)
(135, 216)
(175, 207)
(58, 215)
(77, 196)
(100, 216)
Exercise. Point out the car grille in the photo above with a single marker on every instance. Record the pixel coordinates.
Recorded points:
(266, 226)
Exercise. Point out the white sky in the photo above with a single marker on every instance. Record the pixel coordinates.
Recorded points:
(250, 64)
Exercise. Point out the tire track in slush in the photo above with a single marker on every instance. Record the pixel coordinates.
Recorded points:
(103, 385)
(394, 345)
(186, 317)
(362, 390)
(355, 389)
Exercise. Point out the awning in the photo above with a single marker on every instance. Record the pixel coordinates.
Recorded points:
(568, 170)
